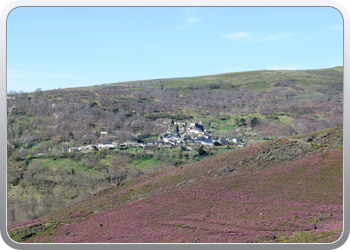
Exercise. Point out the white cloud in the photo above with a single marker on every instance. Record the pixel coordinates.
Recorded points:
(241, 35)
(189, 19)
(274, 37)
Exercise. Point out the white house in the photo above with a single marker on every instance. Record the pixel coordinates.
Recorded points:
(104, 133)
(194, 130)
(196, 125)
(175, 137)
(107, 145)
(180, 123)
(207, 143)
(84, 147)
(166, 139)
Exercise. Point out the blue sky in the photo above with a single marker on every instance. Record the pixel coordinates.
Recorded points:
(62, 47)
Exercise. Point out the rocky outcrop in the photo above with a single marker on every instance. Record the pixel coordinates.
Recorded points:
(328, 139)
(284, 152)
(295, 146)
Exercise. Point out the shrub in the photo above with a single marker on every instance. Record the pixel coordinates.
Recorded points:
(93, 104)
(201, 151)
(253, 122)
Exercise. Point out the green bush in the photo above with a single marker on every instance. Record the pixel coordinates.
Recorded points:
(254, 122)
(93, 104)
(201, 151)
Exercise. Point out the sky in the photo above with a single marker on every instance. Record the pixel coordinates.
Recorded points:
(65, 47)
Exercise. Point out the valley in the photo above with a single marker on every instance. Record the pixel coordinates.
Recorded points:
(198, 159)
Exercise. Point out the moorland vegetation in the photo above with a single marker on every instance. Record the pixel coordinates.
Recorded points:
(285, 190)
(257, 106)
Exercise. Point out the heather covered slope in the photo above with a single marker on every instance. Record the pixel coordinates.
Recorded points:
(288, 190)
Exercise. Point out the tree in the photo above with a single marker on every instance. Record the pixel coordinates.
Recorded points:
(177, 129)
(253, 122)
(201, 151)
(37, 92)
(240, 122)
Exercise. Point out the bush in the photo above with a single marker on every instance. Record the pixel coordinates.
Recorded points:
(254, 122)
(201, 151)
(240, 122)
(93, 104)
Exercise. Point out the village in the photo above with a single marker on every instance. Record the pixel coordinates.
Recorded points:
(189, 135)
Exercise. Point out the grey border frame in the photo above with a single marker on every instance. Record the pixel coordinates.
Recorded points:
(173, 3)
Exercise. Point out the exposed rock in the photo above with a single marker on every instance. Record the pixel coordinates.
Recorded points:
(227, 170)
(325, 139)
(283, 152)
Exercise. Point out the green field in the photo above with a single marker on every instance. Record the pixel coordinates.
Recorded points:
(144, 162)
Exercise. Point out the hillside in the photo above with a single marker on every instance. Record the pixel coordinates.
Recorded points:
(285, 190)
(252, 80)
(256, 106)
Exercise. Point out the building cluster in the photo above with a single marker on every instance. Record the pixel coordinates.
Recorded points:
(193, 134)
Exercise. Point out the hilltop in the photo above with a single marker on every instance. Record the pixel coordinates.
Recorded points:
(252, 80)
(285, 190)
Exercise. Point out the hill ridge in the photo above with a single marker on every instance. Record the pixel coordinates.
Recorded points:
(230, 78)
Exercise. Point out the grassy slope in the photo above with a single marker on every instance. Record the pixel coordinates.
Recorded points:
(239, 196)
(62, 164)
(253, 80)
